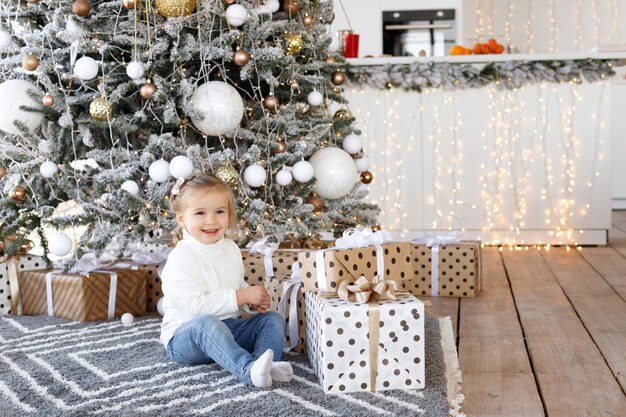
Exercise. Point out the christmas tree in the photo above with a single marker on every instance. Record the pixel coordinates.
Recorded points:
(104, 104)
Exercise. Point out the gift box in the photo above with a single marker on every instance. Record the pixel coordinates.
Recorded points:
(153, 285)
(23, 262)
(100, 295)
(323, 270)
(450, 270)
(288, 300)
(259, 266)
(374, 346)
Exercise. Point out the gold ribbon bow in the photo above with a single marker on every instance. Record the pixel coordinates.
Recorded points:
(362, 290)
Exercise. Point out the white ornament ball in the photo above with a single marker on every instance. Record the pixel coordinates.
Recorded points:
(334, 44)
(131, 187)
(48, 169)
(5, 39)
(59, 244)
(13, 94)
(335, 172)
(127, 319)
(135, 70)
(362, 164)
(254, 175)
(315, 98)
(220, 104)
(236, 15)
(181, 167)
(86, 68)
(74, 31)
(273, 5)
(303, 171)
(159, 171)
(284, 177)
(160, 306)
(352, 144)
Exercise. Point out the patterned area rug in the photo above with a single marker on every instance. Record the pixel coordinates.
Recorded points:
(54, 367)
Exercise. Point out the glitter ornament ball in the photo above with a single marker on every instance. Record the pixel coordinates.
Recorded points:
(315, 98)
(86, 68)
(13, 95)
(236, 15)
(130, 187)
(47, 100)
(293, 43)
(181, 167)
(47, 169)
(127, 319)
(174, 8)
(100, 109)
(241, 57)
(227, 174)
(59, 244)
(147, 91)
(30, 62)
(220, 104)
(159, 171)
(352, 144)
(284, 177)
(335, 173)
(303, 171)
(254, 175)
(135, 70)
(18, 194)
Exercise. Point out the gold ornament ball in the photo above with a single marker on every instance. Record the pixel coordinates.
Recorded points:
(147, 91)
(175, 8)
(241, 57)
(100, 109)
(338, 77)
(81, 8)
(295, 86)
(376, 228)
(330, 60)
(130, 4)
(227, 174)
(291, 6)
(271, 103)
(308, 21)
(366, 177)
(30, 62)
(18, 194)
(48, 100)
(3, 172)
(342, 114)
(280, 148)
(293, 43)
(316, 202)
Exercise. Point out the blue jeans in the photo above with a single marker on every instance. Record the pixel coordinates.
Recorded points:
(234, 344)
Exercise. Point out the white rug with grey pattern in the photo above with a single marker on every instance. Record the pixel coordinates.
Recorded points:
(55, 367)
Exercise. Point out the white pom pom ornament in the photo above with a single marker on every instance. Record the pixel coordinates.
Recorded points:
(159, 171)
(127, 319)
(236, 15)
(131, 187)
(254, 175)
(48, 169)
(181, 167)
(59, 244)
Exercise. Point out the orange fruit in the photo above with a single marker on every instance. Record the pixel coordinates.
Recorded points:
(476, 49)
(499, 49)
(468, 51)
(485, 49)
(457, 50)
(492, 44)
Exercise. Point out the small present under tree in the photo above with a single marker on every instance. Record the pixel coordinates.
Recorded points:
(104, 104)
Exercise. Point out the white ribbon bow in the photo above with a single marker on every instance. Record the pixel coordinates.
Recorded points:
(266, 249)
(355, 238)
(434, 240)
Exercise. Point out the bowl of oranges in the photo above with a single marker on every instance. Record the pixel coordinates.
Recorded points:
(482, 45)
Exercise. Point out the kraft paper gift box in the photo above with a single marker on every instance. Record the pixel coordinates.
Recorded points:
(288, 300)
(374, 346)
(323, 270)
(22, 263)
(259, 266)
(100, 295)
(447, 270)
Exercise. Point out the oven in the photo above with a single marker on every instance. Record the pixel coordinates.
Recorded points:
(418, 32)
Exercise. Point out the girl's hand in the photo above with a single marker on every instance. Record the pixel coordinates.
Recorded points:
(255, 296)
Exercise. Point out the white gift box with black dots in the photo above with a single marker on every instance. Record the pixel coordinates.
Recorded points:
(25, 262)
(340, 349)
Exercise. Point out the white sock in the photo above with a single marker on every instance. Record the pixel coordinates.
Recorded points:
(260, 371)
(281, 371)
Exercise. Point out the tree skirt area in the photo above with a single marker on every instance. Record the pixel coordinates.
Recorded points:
(55, 367)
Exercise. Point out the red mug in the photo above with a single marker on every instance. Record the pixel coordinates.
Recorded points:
(351, 45)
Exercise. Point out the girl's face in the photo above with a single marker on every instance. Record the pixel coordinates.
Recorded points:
(205, 215)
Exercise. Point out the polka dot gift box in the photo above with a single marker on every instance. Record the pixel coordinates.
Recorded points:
(23, 263)
(323, 270)
(279, 288)
(259, 266)
(451, 270)
(375, 346)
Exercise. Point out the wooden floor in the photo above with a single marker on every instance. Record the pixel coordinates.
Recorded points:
(547, 334)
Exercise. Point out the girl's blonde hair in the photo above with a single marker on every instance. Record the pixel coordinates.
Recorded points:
(206, 182)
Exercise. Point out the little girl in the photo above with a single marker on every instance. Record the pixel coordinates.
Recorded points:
(204, 290)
